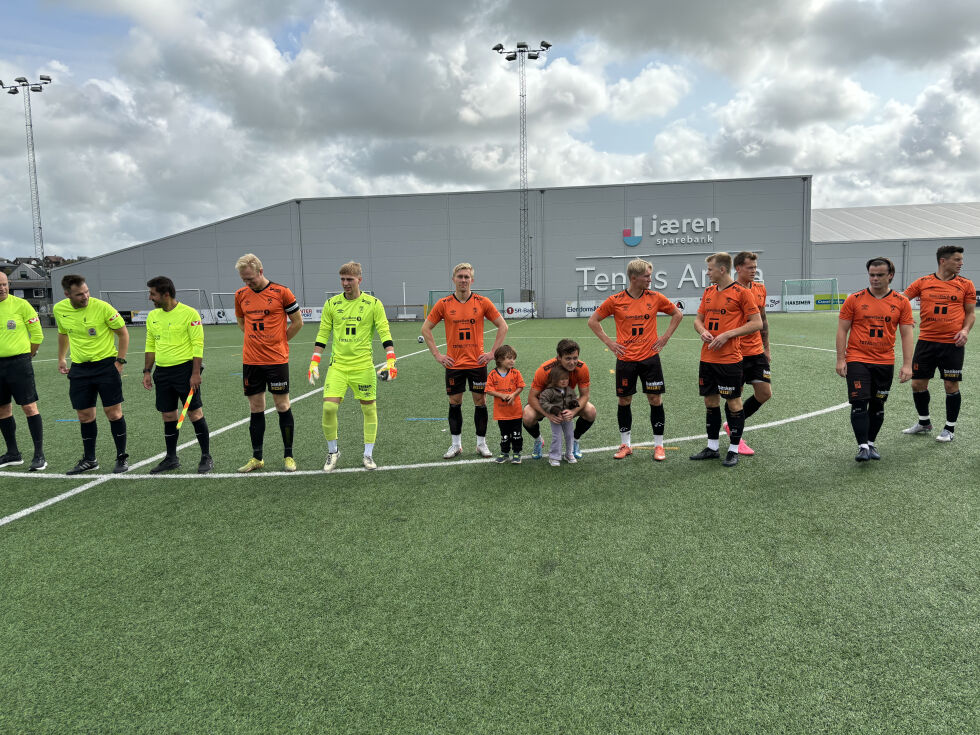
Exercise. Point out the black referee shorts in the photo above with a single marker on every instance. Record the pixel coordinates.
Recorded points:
(17, 380)
(88, 380)
(173, 383)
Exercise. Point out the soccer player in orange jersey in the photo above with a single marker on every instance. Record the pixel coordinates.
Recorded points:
(755, 347)
(866, 351)
(578, 377)
(637, 348)
(947, 313)
(465, 361)
(505, 384)
(727, 312)
(262, 309)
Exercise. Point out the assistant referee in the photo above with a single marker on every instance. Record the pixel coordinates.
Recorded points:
(19, 339)
(175, 342)
(86, 325)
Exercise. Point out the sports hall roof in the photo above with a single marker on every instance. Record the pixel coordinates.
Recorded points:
(901, 222)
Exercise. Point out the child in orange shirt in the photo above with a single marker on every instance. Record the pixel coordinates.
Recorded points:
(505, 384)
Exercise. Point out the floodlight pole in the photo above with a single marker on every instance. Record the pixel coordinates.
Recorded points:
(520, 55)
(19, 84)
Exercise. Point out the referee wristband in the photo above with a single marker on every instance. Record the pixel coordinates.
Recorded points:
(147, 370)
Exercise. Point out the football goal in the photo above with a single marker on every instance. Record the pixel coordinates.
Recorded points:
(811, 294)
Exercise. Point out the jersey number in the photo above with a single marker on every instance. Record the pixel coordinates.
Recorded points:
(465, 335)
(258, 326)
(637, 331)
(879, 333)
(940, 310)
(713, 326)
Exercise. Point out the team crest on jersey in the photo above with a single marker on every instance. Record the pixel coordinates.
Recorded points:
(11, 324)
(91, 331)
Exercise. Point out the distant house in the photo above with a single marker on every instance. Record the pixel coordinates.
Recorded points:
(29, 280)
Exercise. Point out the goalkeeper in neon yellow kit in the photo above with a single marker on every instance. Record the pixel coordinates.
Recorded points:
(353, 318)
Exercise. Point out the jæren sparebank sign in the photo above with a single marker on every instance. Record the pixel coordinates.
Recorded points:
(667, 231)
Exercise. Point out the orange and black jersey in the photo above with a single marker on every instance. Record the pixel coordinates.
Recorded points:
(464, 327)
(578, 376)
(941, 305)
(874, 322)
(751, 344)
(265, 318)
(722, 310)
(636, 321)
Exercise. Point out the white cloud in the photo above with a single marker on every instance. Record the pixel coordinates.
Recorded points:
(653, 93)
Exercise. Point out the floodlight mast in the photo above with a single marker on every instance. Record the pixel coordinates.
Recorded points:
(21, 83)
(520, 54)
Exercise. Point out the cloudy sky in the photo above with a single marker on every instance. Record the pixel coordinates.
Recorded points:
(168, 114)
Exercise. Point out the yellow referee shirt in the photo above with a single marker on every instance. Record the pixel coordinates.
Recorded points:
(19, 327)
(89, 329)
(175, 336)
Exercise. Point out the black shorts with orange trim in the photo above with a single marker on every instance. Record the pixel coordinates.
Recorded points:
(722, 379)
(256, 378)
(456, 380)
(755, 369)
(649, 371)
(865, 380)
(943, 355)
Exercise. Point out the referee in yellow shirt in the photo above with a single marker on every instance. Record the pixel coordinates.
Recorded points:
(175, 342)
(20, 336)
(86, 326)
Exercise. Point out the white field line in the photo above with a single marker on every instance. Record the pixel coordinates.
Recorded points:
(100, 479)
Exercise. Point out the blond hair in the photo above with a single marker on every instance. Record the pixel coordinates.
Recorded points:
(249, 260)
(464, 267)
(722, 259)
(638, 267)
(350, 269)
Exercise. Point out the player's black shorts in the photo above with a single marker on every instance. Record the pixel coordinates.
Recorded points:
(17, 380)
(88, 380)
(865, 380)
(755, 368)
(456, 380)
(944, 355)
(649, 371)
(723, 379)
(173, 383)
(257, 378)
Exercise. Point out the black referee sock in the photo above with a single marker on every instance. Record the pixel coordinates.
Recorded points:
(203, 435)
(118, 430)
(657, 418)
(286, 426)
(712, 423)
(952, 409)
(90, 432)
(37, 433)
(8, 427)
(581, 426)
(481, 417)
(860, 421)
(170, 437)
(256, 432)
(921, 401)
(750, 406)
(624, 415)
(455, 419)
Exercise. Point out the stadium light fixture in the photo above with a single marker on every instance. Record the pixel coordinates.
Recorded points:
(29, 88)
(520, 53)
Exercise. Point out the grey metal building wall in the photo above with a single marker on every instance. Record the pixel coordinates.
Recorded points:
(416, 239)
(845, 261)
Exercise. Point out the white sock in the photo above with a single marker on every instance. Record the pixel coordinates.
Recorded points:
(713, 444)
(368, 449)
(658, 441)
(457, 440)
(862, 446)
(331, 445)
(481, 441)
(625, 437)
